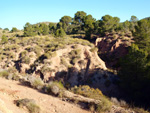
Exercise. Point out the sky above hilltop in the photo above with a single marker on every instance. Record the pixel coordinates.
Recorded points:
(15, 13)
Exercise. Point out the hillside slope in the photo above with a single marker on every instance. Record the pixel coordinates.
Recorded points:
(12, 90)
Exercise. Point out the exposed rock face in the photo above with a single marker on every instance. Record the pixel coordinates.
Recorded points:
(113, 47)
(62, 66)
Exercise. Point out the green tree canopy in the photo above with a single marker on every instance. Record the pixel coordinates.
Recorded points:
(37, 29)
(44, 29)
(29, 30)
(52, 27)
(78, 22)
(6, 29)
(88, 25)
(133, 19)
(60, 33)
(79, 17)
(14, 29)
(59, 25)
(66, 21)
(142, 33)
(134, 74)
(108, 23)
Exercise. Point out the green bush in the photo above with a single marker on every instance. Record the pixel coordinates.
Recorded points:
(4, 39)
(14, 29)
(74, 55)
(50, 54)
(63, 61)
(86, 91)
(26, 60)
(54, 87)
(94, 49)
(29, 49)
(13, 76)
(104, 105)
(60, 33)
(4, 74)
(23, 53)
(37, 83)
(45, 69)
(38, 50)
(29, 104)
(74, 60)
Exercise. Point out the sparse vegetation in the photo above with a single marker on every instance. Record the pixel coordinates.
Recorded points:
(4, 74)
(103, 106)
(29, 104)
(32, 51)
(36, 83)
(74, 56)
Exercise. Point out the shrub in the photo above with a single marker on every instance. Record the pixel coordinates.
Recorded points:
(94, 49)
(63, 61)
(104, 105)
(74, 56)
(14, 29)
(29, 104)
(23, 53)
(13, 76)
(37, 83)
(10, 55)
(74, 60)
(38, 50)
(140, 110)
(123, 103)
(86, 91)
(81, 62)
(45, 69)
(114, 36)
(122, 34)
(26, 60)
(4, 74)
(50, 54)
(29, 49)
(60, 33)
(4, 39)
(74, 46)
(115, 101)
(54, 87)
(75, 52)
(6, 29)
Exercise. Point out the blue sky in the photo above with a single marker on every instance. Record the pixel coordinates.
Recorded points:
(15, 13)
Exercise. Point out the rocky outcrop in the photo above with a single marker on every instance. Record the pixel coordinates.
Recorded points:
(70, 65)
(112, 47)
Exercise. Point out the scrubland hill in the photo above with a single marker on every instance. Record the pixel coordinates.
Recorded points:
(70, 74)
(39, 61)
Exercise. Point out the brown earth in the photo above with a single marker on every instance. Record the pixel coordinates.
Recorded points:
(12, 90)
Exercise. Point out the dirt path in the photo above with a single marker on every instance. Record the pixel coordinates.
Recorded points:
(12, 90)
